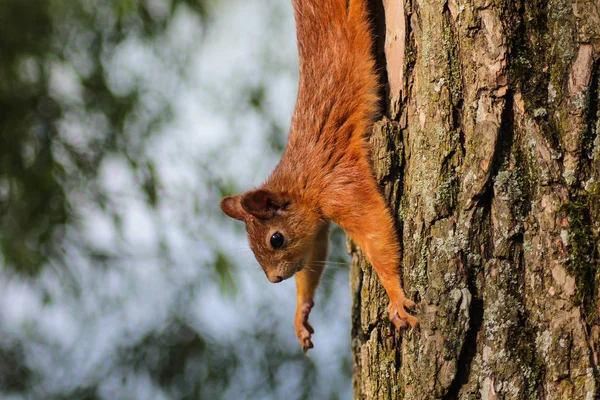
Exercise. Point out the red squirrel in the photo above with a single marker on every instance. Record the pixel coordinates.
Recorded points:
(325, 173)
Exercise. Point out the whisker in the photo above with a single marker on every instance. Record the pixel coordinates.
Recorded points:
(330, 264)
(240, 251)
(333, 279)
(325, 275)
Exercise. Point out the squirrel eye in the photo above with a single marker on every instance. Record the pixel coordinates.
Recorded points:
(276, 240)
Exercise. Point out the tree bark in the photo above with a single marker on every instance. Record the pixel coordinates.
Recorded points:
(489, 155)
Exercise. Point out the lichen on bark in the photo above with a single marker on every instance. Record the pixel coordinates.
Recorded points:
(489, 156)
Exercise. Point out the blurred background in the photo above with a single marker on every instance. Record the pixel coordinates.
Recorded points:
(122, 124)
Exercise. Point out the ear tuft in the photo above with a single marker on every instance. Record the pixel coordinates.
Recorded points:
(232, 207)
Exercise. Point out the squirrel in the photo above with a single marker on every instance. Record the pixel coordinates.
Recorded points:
(325, 173)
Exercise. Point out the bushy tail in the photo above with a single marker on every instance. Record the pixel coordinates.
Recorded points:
(337, 69)
(359, 21)
(325, 25)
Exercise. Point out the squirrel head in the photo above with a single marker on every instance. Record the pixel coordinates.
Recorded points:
(281, 232)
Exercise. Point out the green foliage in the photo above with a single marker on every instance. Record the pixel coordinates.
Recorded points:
(32, 202)
(44, 171)
(223, 269)
(14, 375)
(35, 37)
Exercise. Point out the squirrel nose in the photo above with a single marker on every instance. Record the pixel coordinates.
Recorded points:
(276, 279)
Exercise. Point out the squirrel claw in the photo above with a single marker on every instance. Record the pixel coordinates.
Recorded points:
(304, 330)
(307, 344)
(398, 315)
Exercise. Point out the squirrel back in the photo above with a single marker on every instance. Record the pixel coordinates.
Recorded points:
(326, 156)
(337, 95)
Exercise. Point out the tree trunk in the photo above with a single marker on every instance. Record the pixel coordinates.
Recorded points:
(489, 155)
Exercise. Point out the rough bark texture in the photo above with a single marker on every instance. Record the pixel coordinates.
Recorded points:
(489, 155)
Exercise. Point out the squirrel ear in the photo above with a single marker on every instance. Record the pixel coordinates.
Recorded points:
(261, 203)
(232, 207)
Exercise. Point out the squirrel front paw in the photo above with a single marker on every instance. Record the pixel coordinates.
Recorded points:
(398, 315)
(304, 330)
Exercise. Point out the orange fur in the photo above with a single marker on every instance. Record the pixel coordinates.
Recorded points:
(324, 174)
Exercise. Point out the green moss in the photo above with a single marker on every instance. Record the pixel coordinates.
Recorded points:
(521, 336)
(529, 48)
(446, 195)
(540, 62)
(592, 106)
(522, 344)
(450, 45)
(411, 54)
(583, 253)
(523, 179)
(594, 203)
